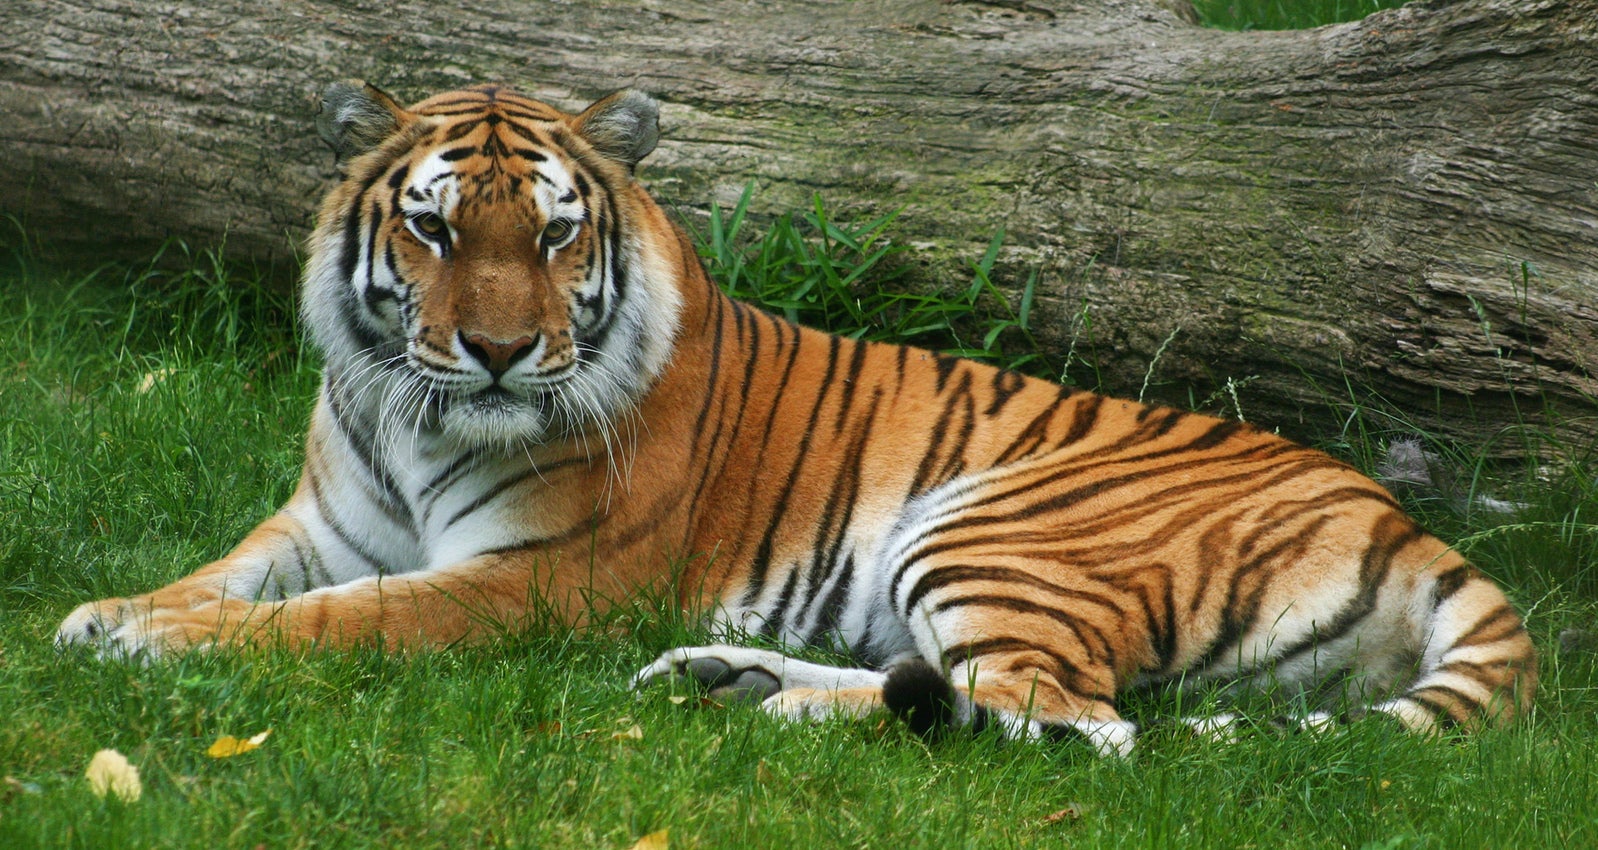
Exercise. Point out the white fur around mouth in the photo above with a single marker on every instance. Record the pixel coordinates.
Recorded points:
(494, 416)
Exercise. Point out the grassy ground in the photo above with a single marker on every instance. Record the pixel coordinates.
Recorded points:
(148, 420)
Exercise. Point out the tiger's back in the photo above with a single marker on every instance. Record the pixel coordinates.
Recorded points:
(536, 401)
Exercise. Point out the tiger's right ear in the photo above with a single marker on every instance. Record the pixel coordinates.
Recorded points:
(357, 117)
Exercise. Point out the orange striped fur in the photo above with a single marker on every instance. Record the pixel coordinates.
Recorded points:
(536, 402)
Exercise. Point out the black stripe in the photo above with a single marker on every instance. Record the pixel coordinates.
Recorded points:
(460, 130)
(1005, 385)
(833, 529)
(945, 366)
(857, 362)
(1444, 715)
(1107, 651)
(388, 491)
(1374, 567)
(769, 623)
(452, 472)
(1065, 674)
(1449, 583)
(1083, 418)
(702, 453)
(937, 578)
(929, 472)
(938, 539)
(1239, 613)
(504, 484)
(339, 531)
(1480, 633)
(779, 511)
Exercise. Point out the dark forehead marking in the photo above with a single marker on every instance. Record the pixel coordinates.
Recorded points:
(488, 99)
(464, 128)
(528, 134)
(506, 126)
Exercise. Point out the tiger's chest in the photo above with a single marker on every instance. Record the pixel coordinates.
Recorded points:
(425, 504)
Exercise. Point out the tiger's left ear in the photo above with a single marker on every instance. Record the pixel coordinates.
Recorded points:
(623, 126)
(356, 117)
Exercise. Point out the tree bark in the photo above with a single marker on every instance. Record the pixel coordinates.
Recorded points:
(1407, 202)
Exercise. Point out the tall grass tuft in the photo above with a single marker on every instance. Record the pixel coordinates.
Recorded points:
(840, 276)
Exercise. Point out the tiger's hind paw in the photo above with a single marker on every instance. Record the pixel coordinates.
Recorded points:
(725, 672)
(787, 686)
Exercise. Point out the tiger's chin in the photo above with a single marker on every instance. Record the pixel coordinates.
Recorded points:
(494, 419)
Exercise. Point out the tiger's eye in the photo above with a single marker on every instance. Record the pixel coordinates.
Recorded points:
(429, 224)
(557, 231)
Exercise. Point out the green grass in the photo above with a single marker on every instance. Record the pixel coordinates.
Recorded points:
(149, 419)
(1285, 14)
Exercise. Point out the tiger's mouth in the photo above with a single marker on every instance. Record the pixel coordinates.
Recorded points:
(493, 416)
(493, 399)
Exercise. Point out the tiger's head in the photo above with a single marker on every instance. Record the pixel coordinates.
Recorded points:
(488, 266)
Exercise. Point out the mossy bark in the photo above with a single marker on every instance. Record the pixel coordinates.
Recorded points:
(1408, 200)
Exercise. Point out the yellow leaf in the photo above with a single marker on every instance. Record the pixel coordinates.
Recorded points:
(110, 773)
(653, 841)
(631, 733)
(228, 746)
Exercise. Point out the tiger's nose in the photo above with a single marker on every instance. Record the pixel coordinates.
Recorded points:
(496, 356)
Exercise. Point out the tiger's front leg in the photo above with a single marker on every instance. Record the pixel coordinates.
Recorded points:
(278, 559)
(294, 552)
(481, 597)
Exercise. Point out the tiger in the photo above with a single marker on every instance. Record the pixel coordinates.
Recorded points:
(535, 405)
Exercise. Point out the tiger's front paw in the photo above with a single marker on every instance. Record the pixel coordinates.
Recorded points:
(93, 623)
(133, 629)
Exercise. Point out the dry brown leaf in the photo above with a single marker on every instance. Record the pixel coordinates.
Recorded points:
(228, 746)
(653, 841)
(110, 772)
(1071, 812)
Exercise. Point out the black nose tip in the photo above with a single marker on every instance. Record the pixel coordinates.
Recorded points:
(496, 356)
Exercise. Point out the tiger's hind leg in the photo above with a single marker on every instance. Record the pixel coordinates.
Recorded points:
(1478, 667)
(786, 687)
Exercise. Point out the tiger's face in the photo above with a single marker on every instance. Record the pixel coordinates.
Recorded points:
(490, 260)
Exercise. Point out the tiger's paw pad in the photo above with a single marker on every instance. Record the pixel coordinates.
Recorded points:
(725, 672)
